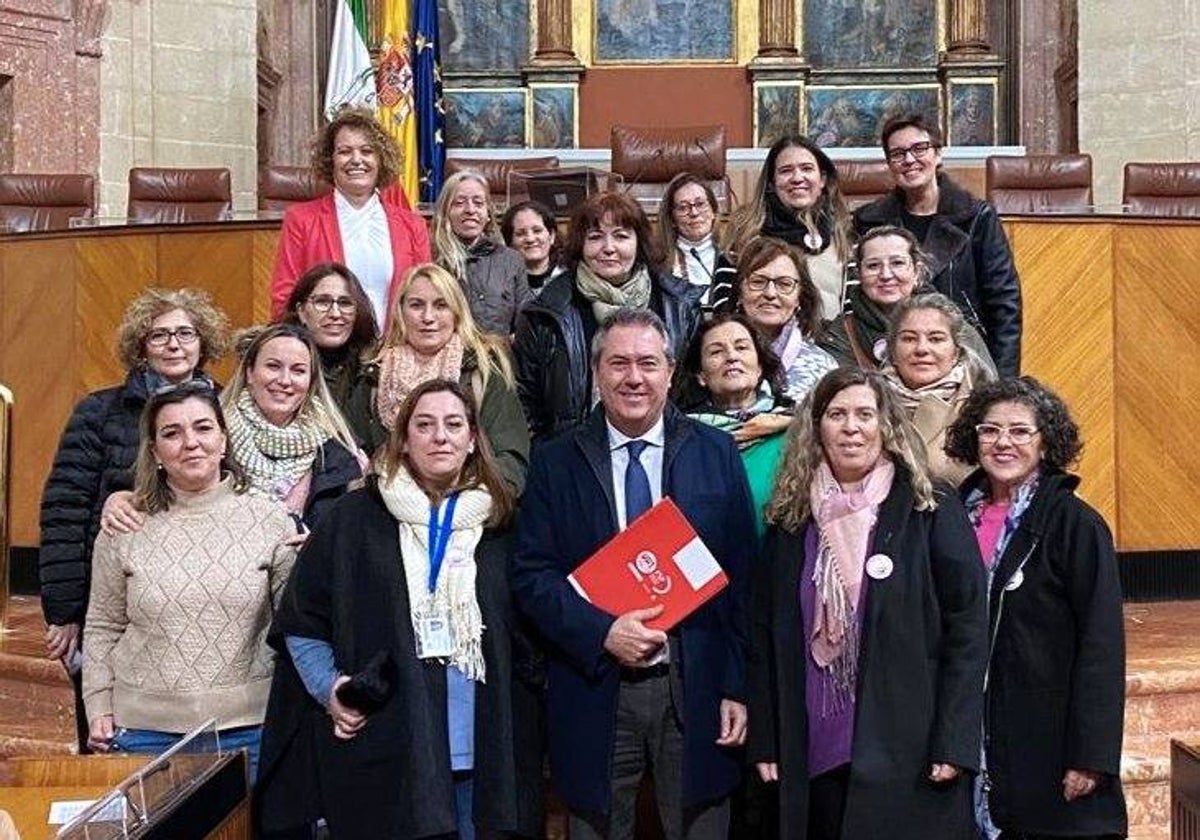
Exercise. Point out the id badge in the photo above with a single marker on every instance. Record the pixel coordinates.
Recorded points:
(435, 639)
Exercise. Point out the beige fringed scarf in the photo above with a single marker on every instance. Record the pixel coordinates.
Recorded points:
(606, 298)
(401, 369)
(454, 594)
(844, 521)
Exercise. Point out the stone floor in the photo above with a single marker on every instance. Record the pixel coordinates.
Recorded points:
(1162, 699)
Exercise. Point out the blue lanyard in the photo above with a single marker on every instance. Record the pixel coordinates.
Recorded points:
(439, 538)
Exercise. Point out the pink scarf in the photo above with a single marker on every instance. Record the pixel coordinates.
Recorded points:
(401, 370)
(844, 521)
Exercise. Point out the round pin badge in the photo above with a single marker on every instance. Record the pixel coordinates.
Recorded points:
(879, 349)
(1014, 582)
(879, 566)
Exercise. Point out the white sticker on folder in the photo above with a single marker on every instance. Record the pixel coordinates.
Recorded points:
(697, 563)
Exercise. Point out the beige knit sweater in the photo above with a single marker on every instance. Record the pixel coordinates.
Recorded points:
(178, 615)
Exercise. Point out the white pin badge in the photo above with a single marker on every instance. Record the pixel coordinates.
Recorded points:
(879, 566)
(1014, 582)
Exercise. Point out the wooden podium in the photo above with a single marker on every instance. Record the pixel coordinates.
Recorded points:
(213, 804)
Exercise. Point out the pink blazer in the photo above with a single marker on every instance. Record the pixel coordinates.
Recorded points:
(310, 236)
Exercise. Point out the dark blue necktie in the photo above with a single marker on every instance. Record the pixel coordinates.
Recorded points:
(637, 484)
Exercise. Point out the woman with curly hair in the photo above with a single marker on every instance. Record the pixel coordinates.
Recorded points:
(166, 338)
(466, 242)
(364, 223)
(1055, 687)
(797, 199)
(870, 629)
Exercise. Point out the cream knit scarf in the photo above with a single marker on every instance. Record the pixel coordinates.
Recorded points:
(401, 370)
(274, 457)
(844, 521)
(945, 389)
(454, 594)
(606, 298)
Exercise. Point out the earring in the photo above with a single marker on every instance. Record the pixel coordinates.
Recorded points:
(158, 466)
(471, 449)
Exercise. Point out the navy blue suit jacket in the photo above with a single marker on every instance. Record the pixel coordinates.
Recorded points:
(567, 513)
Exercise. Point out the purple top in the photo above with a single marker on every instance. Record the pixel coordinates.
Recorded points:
(830, 722)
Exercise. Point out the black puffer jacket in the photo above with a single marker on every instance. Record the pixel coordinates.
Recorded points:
(969, 262)
(554, 374)
(95, 458)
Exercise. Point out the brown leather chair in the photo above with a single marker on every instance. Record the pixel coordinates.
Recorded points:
(279, 187)
(1162, 189)
(159, 195)
(1039, 183)
(647, 158)
(863, 181)
(497, 170)
(44, 202)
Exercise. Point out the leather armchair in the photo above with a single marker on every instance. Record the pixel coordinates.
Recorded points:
(1039, 183)
(863, 181)
(171, 196)
(1162, 189)
(647, 158)
(497, 170)
(279, 187)
(44, 202)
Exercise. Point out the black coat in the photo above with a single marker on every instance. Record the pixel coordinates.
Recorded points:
(554, 372)
(568, 512)
(969, 262)
(95, 458)
(1056, 685)
(393, 780)
(920, 675)
(334, 469)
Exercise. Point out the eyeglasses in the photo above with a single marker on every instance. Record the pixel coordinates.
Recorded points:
(1020, 435)
(687, 208)
(898, 265)
(161, 337)
(783, 285)
(324, 303)
(917, 150)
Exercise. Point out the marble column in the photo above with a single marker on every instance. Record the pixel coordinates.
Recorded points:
(967, 30)
(555, 48)
(777, 29)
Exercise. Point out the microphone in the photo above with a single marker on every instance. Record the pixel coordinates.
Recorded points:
(641, 170)
(696, 256)
(713, 167)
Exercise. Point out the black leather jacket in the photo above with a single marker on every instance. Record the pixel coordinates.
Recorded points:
(969, 262)
(554, 373)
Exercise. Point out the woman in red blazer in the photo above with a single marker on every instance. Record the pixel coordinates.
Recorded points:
(369, 229)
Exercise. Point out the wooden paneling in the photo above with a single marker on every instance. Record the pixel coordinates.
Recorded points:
(1066, 283)
(1158, 384)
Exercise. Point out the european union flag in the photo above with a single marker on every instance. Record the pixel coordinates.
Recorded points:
(431, 109)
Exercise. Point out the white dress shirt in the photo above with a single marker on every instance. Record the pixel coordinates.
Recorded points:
(367, 246)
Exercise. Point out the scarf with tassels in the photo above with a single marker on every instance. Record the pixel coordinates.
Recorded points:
(844, 522)
(454, 593)
(274, 457)
(606, 298)
(401, 369)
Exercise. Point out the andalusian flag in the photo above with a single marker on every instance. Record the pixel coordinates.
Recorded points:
(351, 79)
(431, 110)
(394, 83)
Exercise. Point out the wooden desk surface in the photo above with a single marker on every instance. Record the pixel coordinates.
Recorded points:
(30, 806)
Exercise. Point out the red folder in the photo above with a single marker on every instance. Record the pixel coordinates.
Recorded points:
(658, 559)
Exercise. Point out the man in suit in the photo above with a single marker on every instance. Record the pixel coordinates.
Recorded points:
(625, 699)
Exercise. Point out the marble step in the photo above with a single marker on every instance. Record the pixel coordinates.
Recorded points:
(1150, 832)
(37, 704)
(1163, 700)
(1146, 776)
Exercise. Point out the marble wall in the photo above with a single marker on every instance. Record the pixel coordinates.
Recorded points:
(49, 75)
(178, 87)
(1139, 86)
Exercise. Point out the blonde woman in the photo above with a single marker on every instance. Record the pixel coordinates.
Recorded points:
(466, 242)
(874, 671)
(434, 335)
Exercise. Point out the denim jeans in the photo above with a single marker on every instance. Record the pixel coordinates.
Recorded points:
(155, 742)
